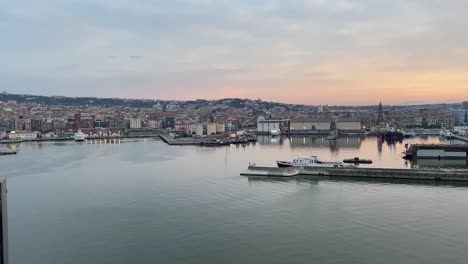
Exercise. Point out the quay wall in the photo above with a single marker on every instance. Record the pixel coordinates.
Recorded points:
(418, 174)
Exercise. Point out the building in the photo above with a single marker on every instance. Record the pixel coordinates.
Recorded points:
(310, 126)
(348, 125)
(220, 128)
(461, 130)
(380, 114)
(154, 124)
(206, 129)
(135, 123)
(23, 135)
(200, 131)
(99, 122)
(460, 116)
(266, 126)
(211, 128)
(169, 122)
(23, 124)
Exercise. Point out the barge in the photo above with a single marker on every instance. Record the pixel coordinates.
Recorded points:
(355, 172)
(436, 151)
(357, 160)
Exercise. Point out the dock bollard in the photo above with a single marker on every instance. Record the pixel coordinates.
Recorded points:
(3, 222)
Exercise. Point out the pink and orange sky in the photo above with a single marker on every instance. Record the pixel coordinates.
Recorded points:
(297, 51)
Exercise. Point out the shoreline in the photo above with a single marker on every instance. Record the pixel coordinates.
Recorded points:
(72, 139)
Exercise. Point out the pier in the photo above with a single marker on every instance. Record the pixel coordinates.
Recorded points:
(7, 151)
(380, 173)
(178, 141)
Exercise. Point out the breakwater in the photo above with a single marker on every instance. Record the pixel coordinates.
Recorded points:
(383, 173)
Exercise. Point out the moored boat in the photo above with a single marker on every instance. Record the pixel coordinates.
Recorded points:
(275, 132)
(408, 134)
(215, 143)
(79, 136)
(357, 160)
(446, 134)
(313, 161)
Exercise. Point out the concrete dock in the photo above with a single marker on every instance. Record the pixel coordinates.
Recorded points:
(381, 173)
(7, 151)
(177, 141)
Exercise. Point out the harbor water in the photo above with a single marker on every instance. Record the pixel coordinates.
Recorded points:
(142, 201)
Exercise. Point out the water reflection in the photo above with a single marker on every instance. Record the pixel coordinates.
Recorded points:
(103, 141)
(315, 180)
(436, 163)
(269, 140)
(384, 153)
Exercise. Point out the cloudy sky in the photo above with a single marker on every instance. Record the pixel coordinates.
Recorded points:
(298, 51)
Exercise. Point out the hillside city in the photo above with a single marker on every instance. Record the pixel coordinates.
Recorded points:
(29, 117)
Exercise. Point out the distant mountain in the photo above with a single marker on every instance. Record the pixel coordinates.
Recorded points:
(140, 103)
(148, 103)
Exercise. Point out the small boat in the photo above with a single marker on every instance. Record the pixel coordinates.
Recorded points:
(408, 134)
(275, 132)
(284, 164)
(313, 161)
(332, 136)
(446, 134)
(79, 136)
(357, 160)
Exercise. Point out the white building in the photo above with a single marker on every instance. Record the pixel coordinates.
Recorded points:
(461, 130)
(348, 125)
(208, 129)
(220, 128)
(23, 135)
(200, 130)
(154, 124)
(266, 126)
(310, 125)
(211, 128)
(135, 123)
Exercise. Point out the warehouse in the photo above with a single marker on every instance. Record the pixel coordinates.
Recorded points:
(305, 126)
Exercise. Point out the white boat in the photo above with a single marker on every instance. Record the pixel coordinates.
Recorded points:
(79, 136)
(408, 133)
(332, 136)
(275, 132)
(313, 161)
(446, 134)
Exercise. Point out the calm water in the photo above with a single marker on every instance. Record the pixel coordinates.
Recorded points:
(145, 202)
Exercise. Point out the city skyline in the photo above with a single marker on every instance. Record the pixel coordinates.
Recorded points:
(302, 52)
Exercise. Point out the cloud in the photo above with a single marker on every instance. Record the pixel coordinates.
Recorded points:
(256, 48)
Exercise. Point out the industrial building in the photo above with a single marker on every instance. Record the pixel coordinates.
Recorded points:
(348, 125)
(265, 126)
(310, 126)
(135, 123)
(23, 134)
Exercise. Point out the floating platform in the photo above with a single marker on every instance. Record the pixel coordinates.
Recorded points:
(380, 173)
(358, 160)
(436, 151)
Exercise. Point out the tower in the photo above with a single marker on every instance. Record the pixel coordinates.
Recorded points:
(380, 113)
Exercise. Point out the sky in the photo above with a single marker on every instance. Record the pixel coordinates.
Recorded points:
(294, 51)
